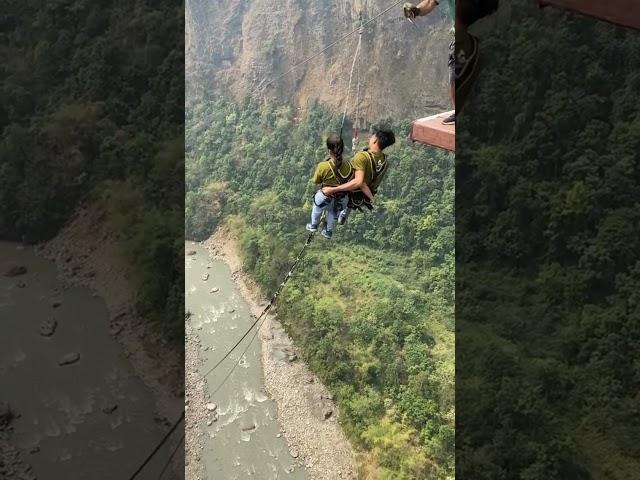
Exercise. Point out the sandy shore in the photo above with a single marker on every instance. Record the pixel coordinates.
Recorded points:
(306, 412)
(87, 254)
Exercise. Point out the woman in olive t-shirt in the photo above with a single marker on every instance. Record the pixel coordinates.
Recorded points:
(330, 173)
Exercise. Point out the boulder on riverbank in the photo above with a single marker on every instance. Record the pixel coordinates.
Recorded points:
(15, 271)
(109, 409)
(48, 327)
(69, 359)
(6, 414)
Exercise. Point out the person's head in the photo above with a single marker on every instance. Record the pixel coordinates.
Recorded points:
(335, 145)
(469, 12)
(381, 140)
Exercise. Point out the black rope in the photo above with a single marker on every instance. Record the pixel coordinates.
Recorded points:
(267, 308)
(237, 362)
(164, 469)
(262, 317)
(275, 295)
(159, 446)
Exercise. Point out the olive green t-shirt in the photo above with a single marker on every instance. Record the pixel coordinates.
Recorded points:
(361, 161)
(324, 174)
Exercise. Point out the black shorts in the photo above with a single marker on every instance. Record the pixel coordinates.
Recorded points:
(452, 61)
(462, 64)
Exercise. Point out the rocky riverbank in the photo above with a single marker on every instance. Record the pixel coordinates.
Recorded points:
(12, 462)
(195, 405)
(90, 255)
(306, 411)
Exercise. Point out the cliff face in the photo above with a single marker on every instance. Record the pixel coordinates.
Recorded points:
(233, 47)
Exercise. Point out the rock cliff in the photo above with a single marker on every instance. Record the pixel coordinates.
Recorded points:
(234, 47)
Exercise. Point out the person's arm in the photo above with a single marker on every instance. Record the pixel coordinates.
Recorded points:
(367, 191)
(426, 7)
(423, 8)
(354, 184)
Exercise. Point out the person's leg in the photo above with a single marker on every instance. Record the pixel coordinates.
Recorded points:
(331, 216)
(452, 93)
(320, 202)
(344, 210)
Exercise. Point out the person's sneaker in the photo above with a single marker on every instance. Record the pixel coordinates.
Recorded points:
(451, 119)
(312, 228)
(326, 233)
(342, 218)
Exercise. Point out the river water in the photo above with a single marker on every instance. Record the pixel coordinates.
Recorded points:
(92, 419)
(245, 441)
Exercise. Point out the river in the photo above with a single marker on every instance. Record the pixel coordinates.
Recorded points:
(246, 439)
(92, 419)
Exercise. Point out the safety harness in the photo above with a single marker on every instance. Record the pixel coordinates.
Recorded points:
(358, 199)
(342, 179)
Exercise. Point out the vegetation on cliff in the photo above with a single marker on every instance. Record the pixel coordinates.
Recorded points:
(91, 111)
(372, 309)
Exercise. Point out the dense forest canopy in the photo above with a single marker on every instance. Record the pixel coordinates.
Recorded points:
(547, 243)
(373, 308)
(91, 112)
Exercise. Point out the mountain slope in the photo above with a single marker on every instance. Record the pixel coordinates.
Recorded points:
(232, 48)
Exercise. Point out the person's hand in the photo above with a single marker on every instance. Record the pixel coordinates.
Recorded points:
(410, 10)
(327, 191)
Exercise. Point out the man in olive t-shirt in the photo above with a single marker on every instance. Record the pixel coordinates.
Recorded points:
(369, 167)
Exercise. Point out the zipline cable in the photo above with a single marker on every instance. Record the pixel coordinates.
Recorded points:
(260, 317)
(315, 55)
(353, 66)
(175, 450)
(356, 118)
(237, 362)
(275, 296)
(267, 308)
(159, 446)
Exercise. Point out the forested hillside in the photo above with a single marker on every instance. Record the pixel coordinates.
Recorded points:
(91, 113)
(373, 307)
(548, 242)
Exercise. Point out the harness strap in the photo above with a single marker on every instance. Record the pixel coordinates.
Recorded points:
(375, 172)
(336, 172)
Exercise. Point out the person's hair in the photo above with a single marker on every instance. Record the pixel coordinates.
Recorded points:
(470, 11)
(335, 145)
(385, 138)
